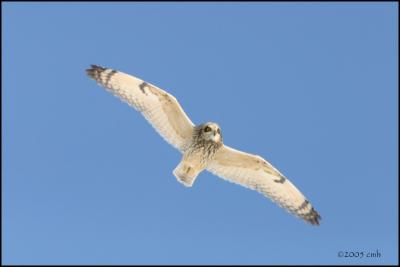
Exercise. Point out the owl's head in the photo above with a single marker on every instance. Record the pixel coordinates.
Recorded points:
(210, 131)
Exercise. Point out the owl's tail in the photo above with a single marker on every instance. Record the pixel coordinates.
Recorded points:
(186, 173)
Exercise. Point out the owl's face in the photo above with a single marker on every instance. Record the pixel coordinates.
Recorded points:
(211, 132)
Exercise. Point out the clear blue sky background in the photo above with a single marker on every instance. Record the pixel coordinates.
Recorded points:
(311, 87)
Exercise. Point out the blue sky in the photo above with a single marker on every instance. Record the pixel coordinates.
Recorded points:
(311, 87)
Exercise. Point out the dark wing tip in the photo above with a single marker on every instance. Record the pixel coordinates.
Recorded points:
(94, 71)
(313, 217)
(93, 66)
(310, 216)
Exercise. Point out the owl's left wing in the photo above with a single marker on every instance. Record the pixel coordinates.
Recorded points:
(160, 108)
(256, 173)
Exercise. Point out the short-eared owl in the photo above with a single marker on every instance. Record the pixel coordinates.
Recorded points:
(202, 146)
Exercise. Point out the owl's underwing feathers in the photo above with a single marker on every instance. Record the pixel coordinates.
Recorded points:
(165, 114)
(256, 173)
(161, 109)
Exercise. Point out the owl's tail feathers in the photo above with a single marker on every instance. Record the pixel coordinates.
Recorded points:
(186, 173)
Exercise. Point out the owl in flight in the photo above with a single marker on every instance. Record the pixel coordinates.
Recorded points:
(202, 145)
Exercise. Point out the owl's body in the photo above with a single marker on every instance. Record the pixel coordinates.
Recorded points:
(202, 146)
(199, 152)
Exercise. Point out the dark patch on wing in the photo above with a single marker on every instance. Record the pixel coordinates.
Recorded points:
(281, 180)
(303, 205)
(142, 86)
(109, 75)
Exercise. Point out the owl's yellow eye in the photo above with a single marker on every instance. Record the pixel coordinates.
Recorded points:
(207, 129)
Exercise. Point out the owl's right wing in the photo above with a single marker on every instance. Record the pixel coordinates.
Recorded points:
(161, 109)
(256, 173)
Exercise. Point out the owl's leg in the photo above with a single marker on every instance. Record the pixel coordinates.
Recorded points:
(186, 173)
